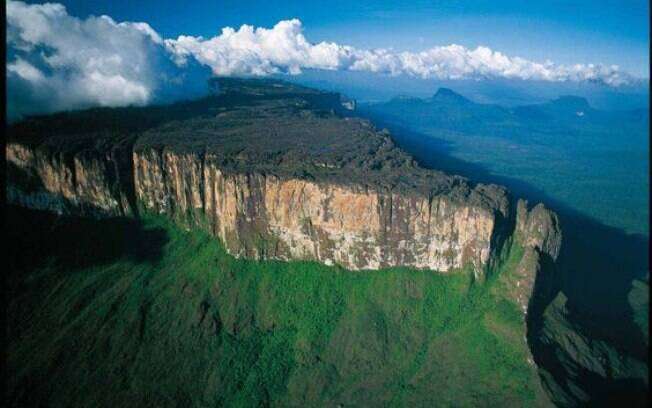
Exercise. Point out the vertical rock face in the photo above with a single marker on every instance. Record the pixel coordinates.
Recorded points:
(86, 182)
(538, 229)
(265, 216)
(539, 233)
(259, 215)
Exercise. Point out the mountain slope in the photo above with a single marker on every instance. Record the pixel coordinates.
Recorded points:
(161, 317)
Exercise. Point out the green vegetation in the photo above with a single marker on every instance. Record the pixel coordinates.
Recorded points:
(115, 312)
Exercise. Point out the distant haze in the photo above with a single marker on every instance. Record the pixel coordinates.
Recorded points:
(367, 87)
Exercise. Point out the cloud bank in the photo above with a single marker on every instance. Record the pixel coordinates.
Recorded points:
(284, 48)
(60, 62)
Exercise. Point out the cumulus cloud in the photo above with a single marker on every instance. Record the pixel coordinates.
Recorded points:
(60, 62)
(284, 48)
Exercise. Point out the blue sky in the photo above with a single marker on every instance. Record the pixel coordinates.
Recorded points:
(567, 32)
(62, 55)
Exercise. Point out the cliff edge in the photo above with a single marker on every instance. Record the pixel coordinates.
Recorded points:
(276, 171)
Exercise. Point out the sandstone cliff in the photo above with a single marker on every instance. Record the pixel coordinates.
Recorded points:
(539, 233)
(261, 215)
(89, 182)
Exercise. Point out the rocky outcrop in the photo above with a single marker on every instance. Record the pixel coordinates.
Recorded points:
(538, 232)
(538, 229)
(586, 362)
(264, 216)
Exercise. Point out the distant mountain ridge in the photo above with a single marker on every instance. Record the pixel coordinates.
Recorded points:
(451, 110)
(509, 93)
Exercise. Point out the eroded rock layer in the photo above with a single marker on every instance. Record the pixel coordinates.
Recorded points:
(266, 216)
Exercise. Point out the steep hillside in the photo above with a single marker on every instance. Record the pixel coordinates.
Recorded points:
(118, 312)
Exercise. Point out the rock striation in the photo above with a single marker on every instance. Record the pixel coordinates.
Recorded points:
(264, 216)
(89, 182)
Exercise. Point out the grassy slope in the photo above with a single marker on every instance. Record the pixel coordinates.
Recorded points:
(115, 313)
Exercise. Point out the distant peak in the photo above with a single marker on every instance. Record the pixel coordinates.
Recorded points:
(446, 95)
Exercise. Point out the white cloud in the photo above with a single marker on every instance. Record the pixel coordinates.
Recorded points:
(25, 70)
(67, 63)
(258, 51)
(58, 62)
(284, 48)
